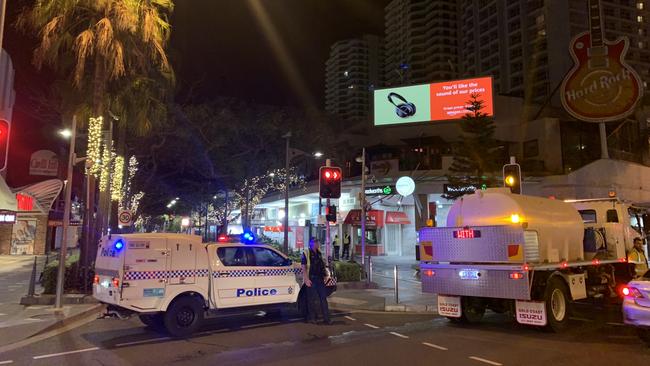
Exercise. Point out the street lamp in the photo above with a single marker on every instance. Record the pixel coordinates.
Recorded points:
(72, 160)
(67, 133)
(318, 154)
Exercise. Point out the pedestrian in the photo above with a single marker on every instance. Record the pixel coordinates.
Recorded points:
(637, 256)
(346, 246)
(314, 276)
(337, 245)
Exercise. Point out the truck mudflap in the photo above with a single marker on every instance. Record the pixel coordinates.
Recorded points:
(527, 312)
(502, 282)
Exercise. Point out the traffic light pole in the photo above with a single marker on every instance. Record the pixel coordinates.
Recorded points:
(285, 244)
(327, 226)
(363, 207)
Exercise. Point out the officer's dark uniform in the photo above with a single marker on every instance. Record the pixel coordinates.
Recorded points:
(317, 275)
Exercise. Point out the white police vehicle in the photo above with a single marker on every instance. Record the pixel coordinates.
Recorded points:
(175, 280)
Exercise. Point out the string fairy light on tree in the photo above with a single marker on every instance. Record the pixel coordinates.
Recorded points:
(105, 166)
(117, 183)
(94, 149)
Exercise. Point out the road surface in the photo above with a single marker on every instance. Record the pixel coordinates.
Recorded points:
(359, 338)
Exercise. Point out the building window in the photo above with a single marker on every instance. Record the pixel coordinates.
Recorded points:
(639, 6)
(639, 18)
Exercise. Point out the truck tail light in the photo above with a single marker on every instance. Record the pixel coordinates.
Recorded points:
(516, 275)
(429, 273)
(96, 280)
(116, 282)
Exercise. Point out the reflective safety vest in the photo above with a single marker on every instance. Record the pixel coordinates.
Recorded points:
(640, 261)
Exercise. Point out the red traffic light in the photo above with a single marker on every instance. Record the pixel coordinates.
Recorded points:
(4, 142)
(330, 182)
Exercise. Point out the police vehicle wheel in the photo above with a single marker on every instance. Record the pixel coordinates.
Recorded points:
(644, 334)
(472, 309)
(556, 299)
(152, 320)
(183, 317)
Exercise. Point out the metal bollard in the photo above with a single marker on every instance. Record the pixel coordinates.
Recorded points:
(32, 280)
(396, 285)
(369, 269)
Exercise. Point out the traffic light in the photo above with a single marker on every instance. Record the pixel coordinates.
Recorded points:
(4, 143)
(330, 213)
(330, 182)
(512, 177)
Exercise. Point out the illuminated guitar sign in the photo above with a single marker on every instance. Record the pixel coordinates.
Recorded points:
(601, 87)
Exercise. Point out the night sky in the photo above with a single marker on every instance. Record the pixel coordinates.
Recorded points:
(218, 48)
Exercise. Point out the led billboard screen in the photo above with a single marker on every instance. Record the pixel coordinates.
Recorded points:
(447, 100)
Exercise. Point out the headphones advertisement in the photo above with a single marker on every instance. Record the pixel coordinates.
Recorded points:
(441, 101)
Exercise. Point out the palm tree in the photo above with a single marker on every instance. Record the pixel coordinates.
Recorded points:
(100, 41)
(98, 45)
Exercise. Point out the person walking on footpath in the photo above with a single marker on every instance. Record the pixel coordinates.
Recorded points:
(337, 245)
(637, 256)
(346, 246)
(314, 277)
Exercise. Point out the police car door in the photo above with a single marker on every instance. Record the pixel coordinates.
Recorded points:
(234, 279)
(275, 279)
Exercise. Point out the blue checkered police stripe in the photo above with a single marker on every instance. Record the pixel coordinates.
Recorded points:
(152, 275)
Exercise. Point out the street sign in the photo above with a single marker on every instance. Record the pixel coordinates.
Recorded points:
(125, 217)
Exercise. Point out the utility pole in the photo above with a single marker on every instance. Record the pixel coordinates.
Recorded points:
(285, 223)
(72, 157)
(362, 197)
(3, 10)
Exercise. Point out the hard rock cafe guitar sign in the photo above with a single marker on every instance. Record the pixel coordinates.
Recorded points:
(601, 87)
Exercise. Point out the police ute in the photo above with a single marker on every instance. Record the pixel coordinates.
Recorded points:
(176, 281)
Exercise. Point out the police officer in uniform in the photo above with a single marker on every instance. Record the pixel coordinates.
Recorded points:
(314, 276)
(346, 246)
(337, 245)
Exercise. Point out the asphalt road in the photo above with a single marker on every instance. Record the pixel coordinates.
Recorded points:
(355, 339)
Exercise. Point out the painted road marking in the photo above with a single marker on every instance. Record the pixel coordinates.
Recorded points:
(485, 361)
(6, 362)
(350, 318)
(2, 314)
(434, 346)
(399, 335)
(143, 341)
(616, 324)
(65, 353)
(371, 326)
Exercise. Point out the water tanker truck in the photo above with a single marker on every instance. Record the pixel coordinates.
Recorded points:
(530, 256)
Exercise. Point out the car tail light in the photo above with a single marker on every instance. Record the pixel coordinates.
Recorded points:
(516, 275)
(96, 280)
(595, 262)
(631, 291)
(116, 282)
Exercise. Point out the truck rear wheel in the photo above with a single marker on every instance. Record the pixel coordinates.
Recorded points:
(184, 316)
(472, 309)
(556, 299)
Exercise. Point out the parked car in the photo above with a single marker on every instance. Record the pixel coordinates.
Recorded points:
(636, 306)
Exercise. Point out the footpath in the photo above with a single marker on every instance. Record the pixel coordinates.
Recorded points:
(379, 295)
(18, 321)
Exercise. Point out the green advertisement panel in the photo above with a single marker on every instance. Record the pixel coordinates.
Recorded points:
(402, 105)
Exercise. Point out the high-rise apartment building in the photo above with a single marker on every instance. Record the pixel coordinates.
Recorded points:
(352, 71)
(524, 44)
(421, 41)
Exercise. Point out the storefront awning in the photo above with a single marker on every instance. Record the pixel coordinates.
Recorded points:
(374, 218)
(397, 217)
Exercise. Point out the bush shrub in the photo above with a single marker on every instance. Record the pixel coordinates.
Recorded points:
(73, 276)
(348, 271)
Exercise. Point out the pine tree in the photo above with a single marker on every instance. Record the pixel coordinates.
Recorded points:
(476, 155)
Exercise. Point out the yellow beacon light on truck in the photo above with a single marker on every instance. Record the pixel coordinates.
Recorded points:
(515, 218)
